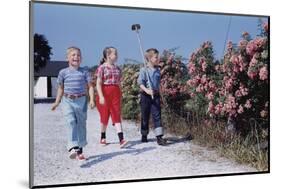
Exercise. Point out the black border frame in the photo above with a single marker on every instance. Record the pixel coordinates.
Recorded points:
(31, 98)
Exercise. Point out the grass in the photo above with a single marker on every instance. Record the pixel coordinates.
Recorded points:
(243, 149)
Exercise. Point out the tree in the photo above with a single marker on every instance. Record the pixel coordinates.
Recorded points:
(42, 51)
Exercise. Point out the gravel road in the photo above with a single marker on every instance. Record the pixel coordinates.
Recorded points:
(110, 163)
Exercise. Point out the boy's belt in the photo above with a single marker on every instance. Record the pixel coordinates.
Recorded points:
(71, 96)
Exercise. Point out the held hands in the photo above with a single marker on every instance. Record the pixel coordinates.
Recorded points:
(92, 104)
(54, 106)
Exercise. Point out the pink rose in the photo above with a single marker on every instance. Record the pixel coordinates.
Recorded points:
(263, 73)
(248, 104)
(263, 113)
(210, 96)
(240, 110)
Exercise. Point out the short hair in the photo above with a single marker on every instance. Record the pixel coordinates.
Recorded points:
(72, 48)
(150, 52)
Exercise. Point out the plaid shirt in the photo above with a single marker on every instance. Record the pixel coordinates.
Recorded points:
(109, 75)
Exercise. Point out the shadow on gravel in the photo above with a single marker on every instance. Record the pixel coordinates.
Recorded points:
(175, 140)
(170, 141)
(92, 160)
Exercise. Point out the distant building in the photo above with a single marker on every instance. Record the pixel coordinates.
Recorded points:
(46, 84)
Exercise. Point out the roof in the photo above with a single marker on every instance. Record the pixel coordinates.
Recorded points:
(51, 69)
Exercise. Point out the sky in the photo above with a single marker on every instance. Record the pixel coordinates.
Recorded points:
(93, 28)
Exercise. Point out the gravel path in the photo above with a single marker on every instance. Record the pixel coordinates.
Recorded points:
(137, 161)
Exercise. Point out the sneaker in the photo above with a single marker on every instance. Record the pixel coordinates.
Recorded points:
(144, 138)
(103, 142)
(80, 157)
(161, 141)
(72, 153)
(123, 143)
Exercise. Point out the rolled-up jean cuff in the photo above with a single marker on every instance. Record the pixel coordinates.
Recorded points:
(158, 131)
(74, 144)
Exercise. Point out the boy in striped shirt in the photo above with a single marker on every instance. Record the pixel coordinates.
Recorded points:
(73, 82)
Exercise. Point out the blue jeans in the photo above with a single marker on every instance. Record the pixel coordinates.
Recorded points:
(75, 114)
(149, 105)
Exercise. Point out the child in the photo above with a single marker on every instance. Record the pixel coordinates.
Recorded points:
(108, 99)
(72, 89)
(148, 104)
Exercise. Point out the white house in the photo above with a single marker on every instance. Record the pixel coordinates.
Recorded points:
(46, 84)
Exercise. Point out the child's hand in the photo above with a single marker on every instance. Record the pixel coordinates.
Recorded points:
(54, 106)
(149, 92)
(101, 100)
(92, 104)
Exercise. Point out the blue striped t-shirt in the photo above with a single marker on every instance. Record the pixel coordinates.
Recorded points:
(73, 80)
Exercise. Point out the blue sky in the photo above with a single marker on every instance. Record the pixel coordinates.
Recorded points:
(93, 28)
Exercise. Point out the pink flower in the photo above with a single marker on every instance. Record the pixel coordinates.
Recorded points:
(219, 108)
(217, 67)
(248, 104)
(192, 95)
(229, 83)
(234, 59)
(263, 73)
(251, 74)
(253, 62)
(192, 57)
(204, 79)
(200, 88)
(191, 68)
(260, 41)
(238, 93)
(229, 46)
(204, 66)
(210, 96)
(170, 59)
(206, 44)
(244, 91)
(242, 44)
(240, 110)
(212, 85)
(197, 79)
(251, 48)
(263, 113)
(192, 82)
(211, 107)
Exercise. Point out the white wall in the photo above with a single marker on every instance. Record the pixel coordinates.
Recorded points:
(40, 88)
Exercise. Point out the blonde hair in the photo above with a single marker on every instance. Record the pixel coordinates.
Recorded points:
(150, 52)
(72, 48)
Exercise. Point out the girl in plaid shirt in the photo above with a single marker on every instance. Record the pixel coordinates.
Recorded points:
(108, 100)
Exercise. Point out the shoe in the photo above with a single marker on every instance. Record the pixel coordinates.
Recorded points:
(72, 153)
(161, 141)
(80, 157)
(123, 143)
(144, 138)
(103, 142)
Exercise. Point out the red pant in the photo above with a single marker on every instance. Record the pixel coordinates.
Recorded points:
(112, 105)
